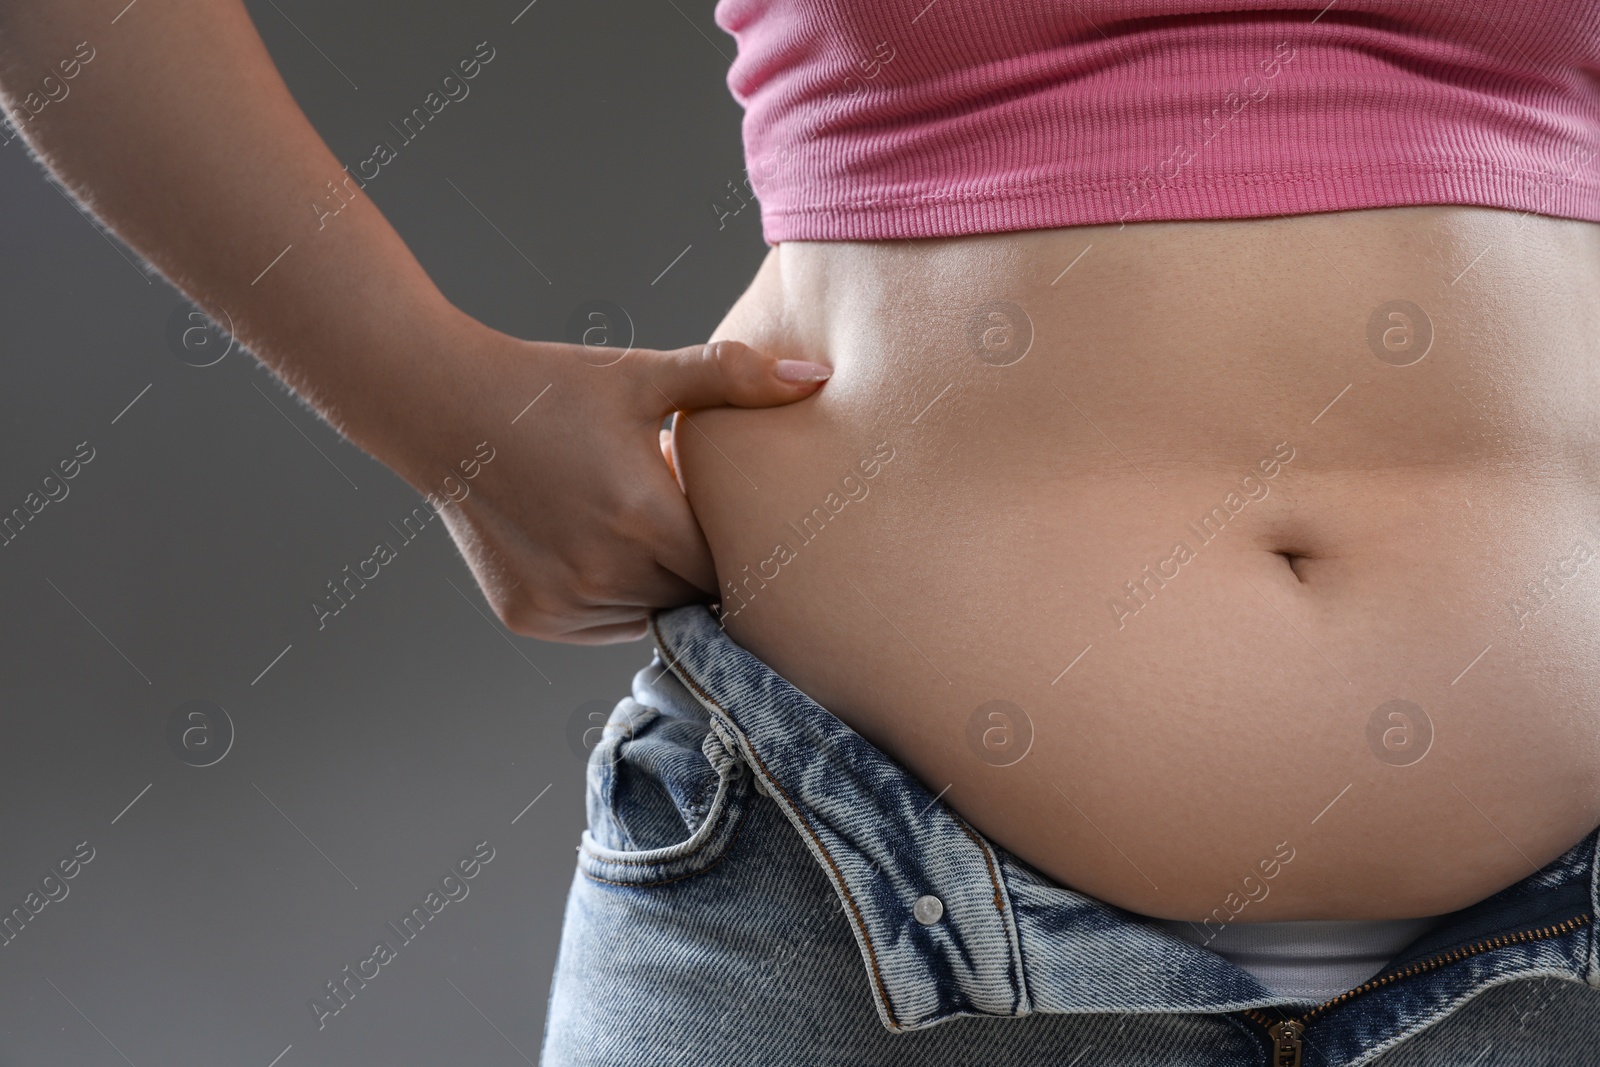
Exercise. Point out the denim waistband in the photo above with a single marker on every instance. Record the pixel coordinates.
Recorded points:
(998, 938)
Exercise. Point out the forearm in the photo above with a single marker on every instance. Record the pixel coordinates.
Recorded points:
(181, 136)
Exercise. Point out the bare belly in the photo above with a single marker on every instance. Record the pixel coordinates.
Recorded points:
(1250, 565)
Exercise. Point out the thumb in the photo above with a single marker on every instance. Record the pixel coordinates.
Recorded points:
(723, 373)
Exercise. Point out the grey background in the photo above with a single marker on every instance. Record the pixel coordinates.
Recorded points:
(376, 752)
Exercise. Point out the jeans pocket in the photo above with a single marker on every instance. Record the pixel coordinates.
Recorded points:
(666, 793)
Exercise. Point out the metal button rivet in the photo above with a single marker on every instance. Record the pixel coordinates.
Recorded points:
(928, 909)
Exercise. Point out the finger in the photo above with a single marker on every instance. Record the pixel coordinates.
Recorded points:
(585, 615)
(610, 634)
(633, 586)
(724, 373)
(655, 586)
(600, 624)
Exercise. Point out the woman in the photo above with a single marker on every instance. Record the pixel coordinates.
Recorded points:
(1167, 637)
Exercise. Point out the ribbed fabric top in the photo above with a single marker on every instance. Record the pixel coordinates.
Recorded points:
(873, 119)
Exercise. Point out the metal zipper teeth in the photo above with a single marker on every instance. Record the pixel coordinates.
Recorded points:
(1422, 966)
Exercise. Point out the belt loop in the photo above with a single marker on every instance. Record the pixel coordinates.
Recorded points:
(726, 743)
(722, 751)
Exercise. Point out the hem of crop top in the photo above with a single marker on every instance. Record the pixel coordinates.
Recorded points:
(1058, 201)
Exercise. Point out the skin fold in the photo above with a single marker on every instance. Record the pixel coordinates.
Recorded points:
(1414, 541)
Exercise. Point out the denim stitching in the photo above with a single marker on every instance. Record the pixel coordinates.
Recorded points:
(999, 898)
(702, 846)
(1013, 935)
(732, 837)
(877, 975)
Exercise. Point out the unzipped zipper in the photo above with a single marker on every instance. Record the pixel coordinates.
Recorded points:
(1288, 1035)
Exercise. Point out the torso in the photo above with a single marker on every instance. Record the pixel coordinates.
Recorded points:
(1186, 739)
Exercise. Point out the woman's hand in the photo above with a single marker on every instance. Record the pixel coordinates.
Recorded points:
(209, 169)
(578, 528)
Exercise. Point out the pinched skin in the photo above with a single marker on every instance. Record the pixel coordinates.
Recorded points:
(1241, 565)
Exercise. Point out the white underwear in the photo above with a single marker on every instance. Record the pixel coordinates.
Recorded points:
(1315, 959)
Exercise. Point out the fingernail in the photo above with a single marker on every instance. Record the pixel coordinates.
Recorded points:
(797, 371)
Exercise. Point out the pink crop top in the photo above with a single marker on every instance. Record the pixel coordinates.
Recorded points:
(872, 119)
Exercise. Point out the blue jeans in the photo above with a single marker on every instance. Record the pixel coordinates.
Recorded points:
(761, 886)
